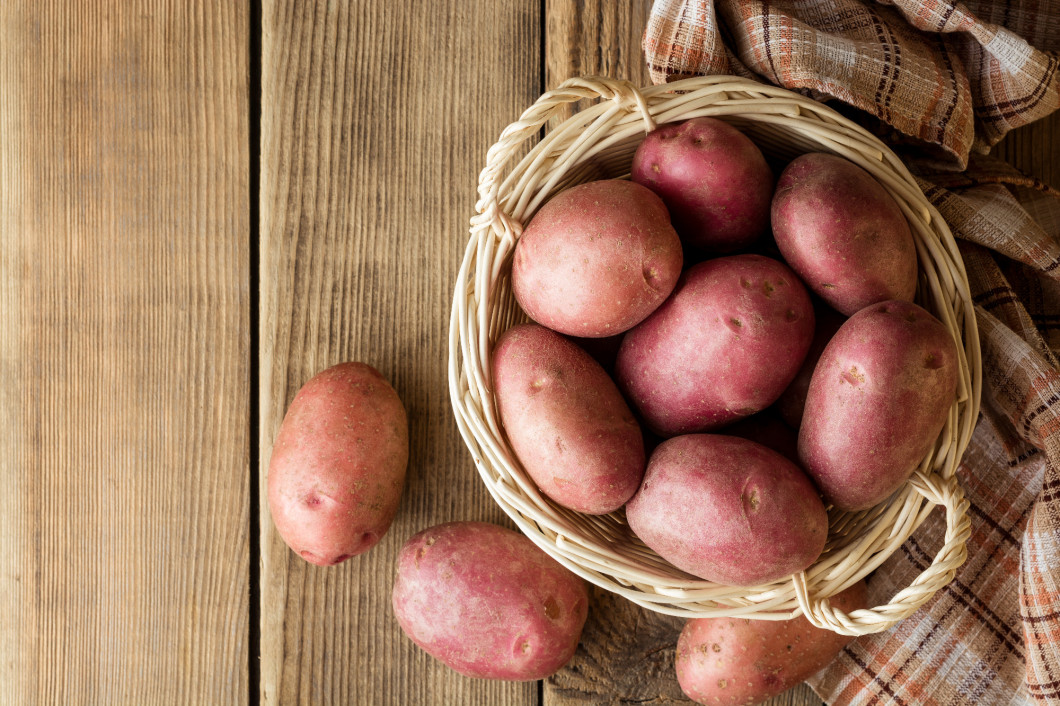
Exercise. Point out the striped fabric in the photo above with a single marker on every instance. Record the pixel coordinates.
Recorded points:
(930, 70)
(947, 79)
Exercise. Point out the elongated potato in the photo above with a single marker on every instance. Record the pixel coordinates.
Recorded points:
(485, 601)
(845, 236)
(878, 399)
(338, 464)
(740, 662)
(566, 420)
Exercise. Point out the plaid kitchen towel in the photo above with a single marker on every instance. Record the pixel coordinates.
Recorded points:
(950, 79)
(931, 70)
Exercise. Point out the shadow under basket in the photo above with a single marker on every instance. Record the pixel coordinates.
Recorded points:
(523, 171)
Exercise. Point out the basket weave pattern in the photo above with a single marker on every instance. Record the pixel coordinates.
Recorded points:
(522, 172)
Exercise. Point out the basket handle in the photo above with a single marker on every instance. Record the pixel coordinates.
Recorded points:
(623, 93)
(940, 491)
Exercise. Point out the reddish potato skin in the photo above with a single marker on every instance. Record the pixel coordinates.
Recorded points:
(740, 662)
(845, 236)
(878, 399)
(712, 178)
(728, 510)
(566, 421)
(485, 601)
(793, 399)
(596, 259)
(725, 345)
(338, 464)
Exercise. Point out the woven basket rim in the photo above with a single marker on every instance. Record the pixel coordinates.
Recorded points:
(522, 171)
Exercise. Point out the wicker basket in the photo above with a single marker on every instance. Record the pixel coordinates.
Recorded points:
(598, 142)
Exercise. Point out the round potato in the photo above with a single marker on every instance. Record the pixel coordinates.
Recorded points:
(845, 236)
(712, 178)
(566, 420)
(485, 601)
(722, 347)
(878, 399)
(740, 662)
(728, 510)
(596, 259)
(338, 464)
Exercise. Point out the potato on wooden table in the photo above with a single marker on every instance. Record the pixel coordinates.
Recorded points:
(878, 398)
(487, 602)
(843, 233)
(596, 259)
(740, 662)
(338, 464)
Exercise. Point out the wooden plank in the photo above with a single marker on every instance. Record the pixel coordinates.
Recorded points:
(124, 248)
(626, 654)
(595, 38)
(1034, 149)
(376, 118)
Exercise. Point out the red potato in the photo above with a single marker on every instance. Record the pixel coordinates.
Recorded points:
(566, 421)
(793, 399)
(596, 259)
(487, 602)
(338, 464)
(740, 662)
(712, 178)
(724, 346)
(845, 236)
(878, 399)
(728, 510)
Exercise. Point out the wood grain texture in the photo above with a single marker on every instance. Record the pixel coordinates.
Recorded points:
(626, 653)
(595, 38)
(1034, 149)
(124, 233)
(376, 118)
(626, 656)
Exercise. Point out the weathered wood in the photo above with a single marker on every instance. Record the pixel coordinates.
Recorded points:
(626, 656)
(124, 250)
(376, 118)
(595, 38)
(1034, 149)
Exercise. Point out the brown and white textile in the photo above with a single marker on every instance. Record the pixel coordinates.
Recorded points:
(943, 81)
(931, 70)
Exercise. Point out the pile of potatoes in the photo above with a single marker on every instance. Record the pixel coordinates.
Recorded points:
(719, 322)
(718, 353)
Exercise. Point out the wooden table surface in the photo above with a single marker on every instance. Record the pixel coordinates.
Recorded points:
(201, 205)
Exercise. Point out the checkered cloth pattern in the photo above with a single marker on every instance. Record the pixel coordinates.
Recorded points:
(942, 81)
